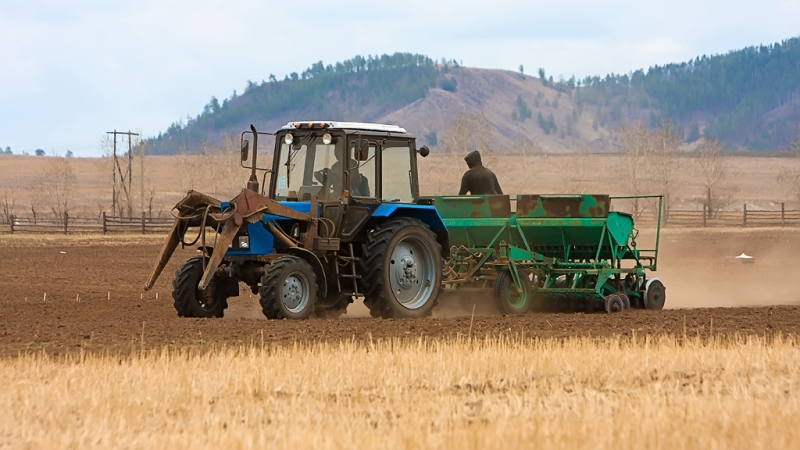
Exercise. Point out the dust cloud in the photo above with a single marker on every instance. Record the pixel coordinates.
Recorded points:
(700, 269)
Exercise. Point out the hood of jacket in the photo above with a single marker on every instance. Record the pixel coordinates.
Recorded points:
(473, 159)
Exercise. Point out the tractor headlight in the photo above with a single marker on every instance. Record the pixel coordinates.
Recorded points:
(288, 139)
(244, 241)
(327, 138)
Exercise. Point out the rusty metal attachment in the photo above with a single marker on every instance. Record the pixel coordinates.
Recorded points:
(198, 210)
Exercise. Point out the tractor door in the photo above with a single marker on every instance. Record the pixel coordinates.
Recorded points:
(364, 185)
(398, 171)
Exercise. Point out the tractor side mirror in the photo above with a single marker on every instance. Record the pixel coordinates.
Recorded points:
(424, 151)
(245, 150)
(362, 151)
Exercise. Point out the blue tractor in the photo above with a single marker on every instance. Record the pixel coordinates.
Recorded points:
(338, 215)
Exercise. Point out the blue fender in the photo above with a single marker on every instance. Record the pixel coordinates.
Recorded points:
(424, 213)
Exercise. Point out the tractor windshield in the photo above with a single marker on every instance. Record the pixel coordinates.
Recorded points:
(308, 164)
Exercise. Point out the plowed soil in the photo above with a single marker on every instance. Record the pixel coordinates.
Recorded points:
(64, 294)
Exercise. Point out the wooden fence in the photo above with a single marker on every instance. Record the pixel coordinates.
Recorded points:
(744, 218)
(104, 224)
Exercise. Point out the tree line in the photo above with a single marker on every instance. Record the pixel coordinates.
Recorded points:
(736, 92)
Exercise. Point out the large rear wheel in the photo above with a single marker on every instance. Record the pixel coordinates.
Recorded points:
(288, 289)
(189, 300)
(402, 267)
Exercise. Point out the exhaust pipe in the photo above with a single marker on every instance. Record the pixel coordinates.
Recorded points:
(252, 183)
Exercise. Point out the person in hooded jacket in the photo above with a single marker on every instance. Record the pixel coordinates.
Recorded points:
(478, 180)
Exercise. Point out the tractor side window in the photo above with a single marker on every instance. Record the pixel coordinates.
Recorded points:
(396, 173)
(362, 174)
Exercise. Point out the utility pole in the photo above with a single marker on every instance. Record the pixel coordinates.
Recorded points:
(141, 174)
(114, 177)
(125, 185)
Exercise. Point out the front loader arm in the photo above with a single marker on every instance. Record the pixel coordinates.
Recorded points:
(173, 239)
(189, 212)
(232, 227)
(200, 210)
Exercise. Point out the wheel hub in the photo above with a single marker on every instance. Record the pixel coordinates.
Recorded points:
(292, 292)
(411, 273)
(407, 272)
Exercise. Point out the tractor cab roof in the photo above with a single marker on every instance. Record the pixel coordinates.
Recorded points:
(354, 126)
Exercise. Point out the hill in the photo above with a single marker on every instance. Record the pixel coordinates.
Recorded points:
(747, 98)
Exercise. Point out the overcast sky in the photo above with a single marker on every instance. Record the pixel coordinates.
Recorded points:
(72, 70)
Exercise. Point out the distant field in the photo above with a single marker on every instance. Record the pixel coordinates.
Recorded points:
(752, 179)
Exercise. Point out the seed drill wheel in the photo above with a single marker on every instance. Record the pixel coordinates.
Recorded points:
(402, 269)
(655, 294)
(614, 303)
(288, 289)
(625, 300)
(190, 301)
(510, 297)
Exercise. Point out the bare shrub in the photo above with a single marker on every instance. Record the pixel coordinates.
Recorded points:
(574, 169)
(714, 175)
(223, 163)
(57, 184)
(789, 174)
(664, 163)
(190, 169)
(636, 145)
(527, 148)
(8, 199)
(794, 143)
(789, 179)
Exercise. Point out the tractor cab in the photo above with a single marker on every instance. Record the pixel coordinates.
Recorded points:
(335, 160)
(347, 169)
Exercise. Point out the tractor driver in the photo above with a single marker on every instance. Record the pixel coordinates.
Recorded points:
(478, 180)
(332, 178)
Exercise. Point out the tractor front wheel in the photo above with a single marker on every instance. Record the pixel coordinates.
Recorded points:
(288, 289)
(402, 267)
(190, 301)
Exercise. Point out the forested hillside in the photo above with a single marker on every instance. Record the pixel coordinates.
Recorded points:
(356, 89)
(748, 98)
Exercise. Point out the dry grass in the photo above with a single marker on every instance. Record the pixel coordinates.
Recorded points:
(499, 393)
